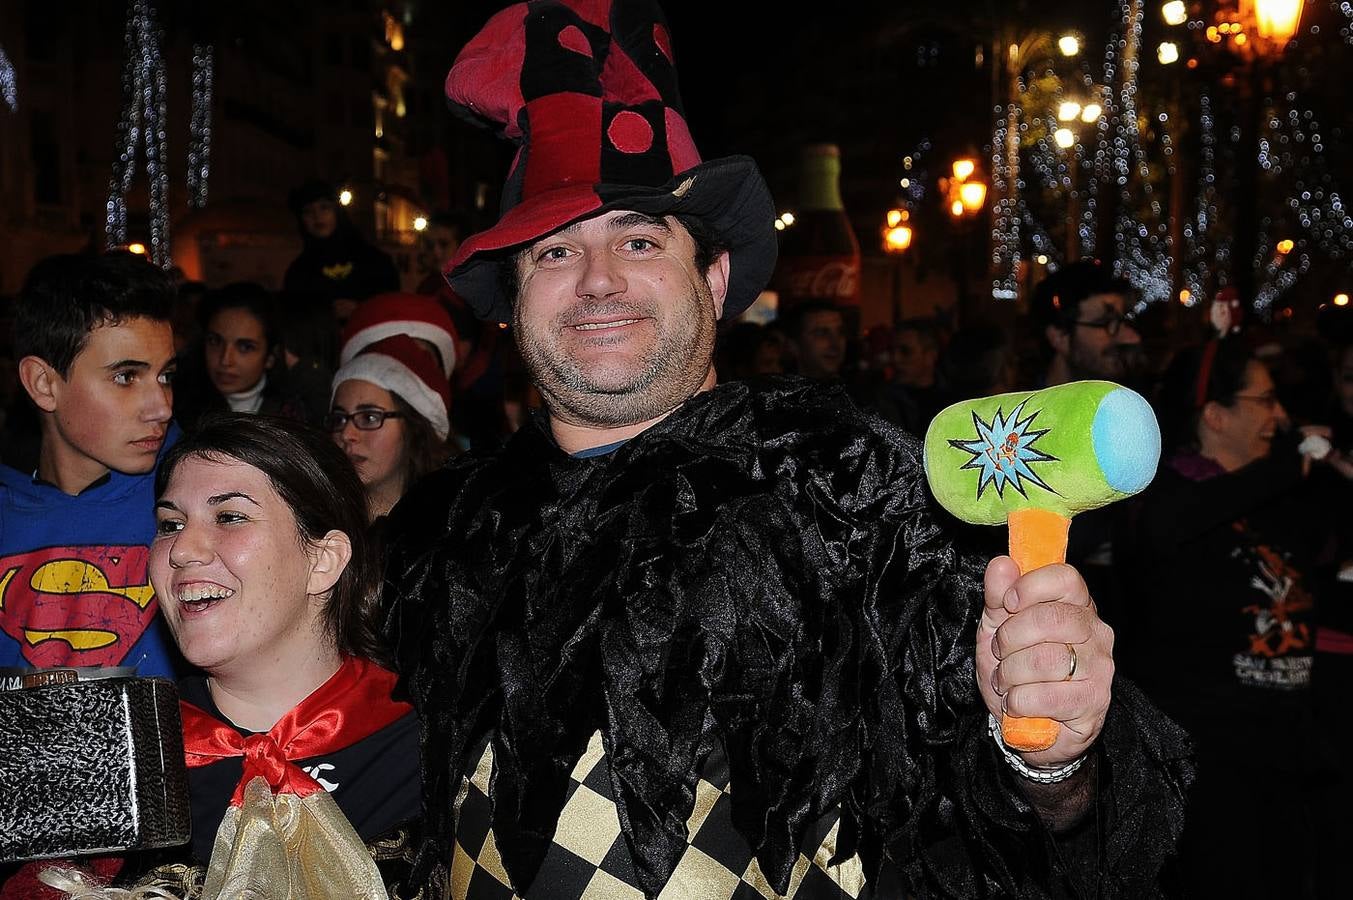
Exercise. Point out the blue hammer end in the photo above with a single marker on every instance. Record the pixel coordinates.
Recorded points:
(1126, 440)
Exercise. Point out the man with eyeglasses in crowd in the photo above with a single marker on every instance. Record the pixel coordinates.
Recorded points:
(1081, 312)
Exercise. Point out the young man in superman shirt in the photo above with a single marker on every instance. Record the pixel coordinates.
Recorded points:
(96, 356)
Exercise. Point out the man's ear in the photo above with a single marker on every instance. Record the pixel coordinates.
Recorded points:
(717, 279)
(42, 382)
(1059, 340)
(330, 555)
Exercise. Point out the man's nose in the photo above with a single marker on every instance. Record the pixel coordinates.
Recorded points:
(600, 276)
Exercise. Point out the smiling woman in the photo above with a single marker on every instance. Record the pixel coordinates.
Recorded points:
(261, 567)
(1222, 569)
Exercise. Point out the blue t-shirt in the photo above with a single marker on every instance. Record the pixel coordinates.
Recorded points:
(74, 582)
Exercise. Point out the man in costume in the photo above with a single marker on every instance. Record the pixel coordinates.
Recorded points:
(706, 640)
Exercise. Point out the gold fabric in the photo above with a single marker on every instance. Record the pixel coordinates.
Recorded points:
(286, 847)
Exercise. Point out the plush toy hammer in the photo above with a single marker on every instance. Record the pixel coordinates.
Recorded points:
(1033, 460)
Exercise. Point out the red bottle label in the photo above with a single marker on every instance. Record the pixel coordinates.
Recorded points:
(834, 278)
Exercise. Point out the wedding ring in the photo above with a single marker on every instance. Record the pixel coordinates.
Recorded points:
(1072, 671)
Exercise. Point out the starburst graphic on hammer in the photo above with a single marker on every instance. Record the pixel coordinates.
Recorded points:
(1004, 451)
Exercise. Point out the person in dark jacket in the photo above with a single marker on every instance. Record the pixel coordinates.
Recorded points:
(337, 268)
(687, 639)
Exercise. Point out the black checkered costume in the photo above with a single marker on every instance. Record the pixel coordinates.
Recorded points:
(589, 859)
(763, 570)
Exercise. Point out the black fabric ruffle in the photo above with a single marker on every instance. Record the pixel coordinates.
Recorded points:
(768, 561)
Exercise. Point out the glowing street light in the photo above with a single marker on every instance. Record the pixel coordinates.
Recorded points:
(420, 223)
(972, 194)
(1285, 246)
(896, 217)
(1065, 138)
(1167, 52)
(138, 248)
(897, 238)
(1175, 12)
(1068, 110)
(787, 218)
(1340, 299)
(1090, 112)
(1275, 20)
(956, 209)
(345, 197)
(1069, 44)
(963, 169)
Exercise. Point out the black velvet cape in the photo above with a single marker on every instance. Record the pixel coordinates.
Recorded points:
(764, 563)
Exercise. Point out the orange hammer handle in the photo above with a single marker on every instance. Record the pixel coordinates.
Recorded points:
(1037, 538)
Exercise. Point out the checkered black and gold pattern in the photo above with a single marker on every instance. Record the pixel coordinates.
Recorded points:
(589, 859)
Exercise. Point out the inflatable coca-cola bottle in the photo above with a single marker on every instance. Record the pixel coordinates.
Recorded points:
(819, 254)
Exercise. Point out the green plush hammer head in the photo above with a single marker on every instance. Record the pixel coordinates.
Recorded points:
(1065, 449)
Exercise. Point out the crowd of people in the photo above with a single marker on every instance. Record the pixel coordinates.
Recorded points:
(556, 579)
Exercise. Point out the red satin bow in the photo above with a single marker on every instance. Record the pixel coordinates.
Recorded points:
(353, 704)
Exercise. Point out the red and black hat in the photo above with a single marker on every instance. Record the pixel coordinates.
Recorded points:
(587, 89)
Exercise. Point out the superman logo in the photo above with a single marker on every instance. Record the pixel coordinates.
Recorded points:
(76, 606)
(338, 271)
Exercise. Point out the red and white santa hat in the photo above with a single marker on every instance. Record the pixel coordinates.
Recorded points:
(415, 315)
(402, 366)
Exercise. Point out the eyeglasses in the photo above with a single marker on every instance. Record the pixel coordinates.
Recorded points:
(1268, 401)
(1112, 323)
(363, 419)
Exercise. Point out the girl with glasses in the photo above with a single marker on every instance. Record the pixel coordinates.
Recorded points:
(1222, 566)
(390, 415)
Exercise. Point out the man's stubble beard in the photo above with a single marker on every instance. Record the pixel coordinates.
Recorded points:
(679, 365)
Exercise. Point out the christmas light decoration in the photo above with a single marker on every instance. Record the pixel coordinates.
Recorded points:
(9, 88)
(199, 129)
(143, 114)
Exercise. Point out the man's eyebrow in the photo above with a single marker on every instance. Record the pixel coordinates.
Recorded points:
(635, 219)
(128, 364)
(217, 499)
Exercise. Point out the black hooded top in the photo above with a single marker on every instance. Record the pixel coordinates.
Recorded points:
(341, 266)
(764, 564)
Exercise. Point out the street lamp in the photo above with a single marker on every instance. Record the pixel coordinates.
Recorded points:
(345, 197)
(1275, 20)
(1175, 12)
(1068, 110)
(897, 235)
(963, 168)
(1069, 44)
(1065, 138)
(1168, 52)
(1091, 112)
(972, 195)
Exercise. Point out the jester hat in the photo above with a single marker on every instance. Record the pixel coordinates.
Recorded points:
(587, 89)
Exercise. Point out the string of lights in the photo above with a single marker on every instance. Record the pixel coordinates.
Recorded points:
(1346, 32)
(199, 130)
(143, 115)
(9, 86)
(1005, 232)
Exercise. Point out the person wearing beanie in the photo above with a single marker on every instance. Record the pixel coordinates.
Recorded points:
(420, 317)
(337, 268)
(390, 414)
